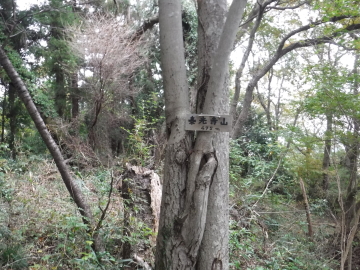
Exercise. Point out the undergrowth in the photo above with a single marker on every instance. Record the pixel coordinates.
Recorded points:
(40, 227)
(274, 236)
(268, 228)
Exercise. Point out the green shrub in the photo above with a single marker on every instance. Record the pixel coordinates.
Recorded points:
(12, 256)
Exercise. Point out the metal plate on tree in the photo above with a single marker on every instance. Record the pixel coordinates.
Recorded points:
(204, 122)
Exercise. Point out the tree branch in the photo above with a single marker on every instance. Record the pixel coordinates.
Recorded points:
(147, 25)
(292, 7)
(244, 59)
(103, 211)
(280, 52)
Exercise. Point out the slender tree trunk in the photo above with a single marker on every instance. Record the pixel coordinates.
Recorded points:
(73, 188)
(74, 96)
(12, 119)
(3, 115)
(60, 92)
(307, 208)
(280, 52)
(277, 108)
(268, 111)
(58, 68)
(266, 105)
(257, 12)
(327, 151)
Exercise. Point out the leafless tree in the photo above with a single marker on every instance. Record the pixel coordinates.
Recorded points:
(111, 56)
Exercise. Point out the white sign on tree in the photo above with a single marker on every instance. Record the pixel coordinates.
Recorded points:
(204, 122)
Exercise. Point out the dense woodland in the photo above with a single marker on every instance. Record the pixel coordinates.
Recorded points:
(94, 97)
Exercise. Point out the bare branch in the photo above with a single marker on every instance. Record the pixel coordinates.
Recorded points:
(239, 72)
(287, 8)
(147, 25)
(280, 52)
(315, 41)
(103, 211)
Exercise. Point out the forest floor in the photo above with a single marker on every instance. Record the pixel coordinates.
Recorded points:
(40, 227)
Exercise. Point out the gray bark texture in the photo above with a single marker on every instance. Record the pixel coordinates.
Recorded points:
(71, 186)
(193, 229)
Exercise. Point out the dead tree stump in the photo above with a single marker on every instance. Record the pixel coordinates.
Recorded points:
(141, 192)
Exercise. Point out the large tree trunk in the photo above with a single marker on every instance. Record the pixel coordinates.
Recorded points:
(213, 253)
(193, 230)
(171, 249)
(73, 189)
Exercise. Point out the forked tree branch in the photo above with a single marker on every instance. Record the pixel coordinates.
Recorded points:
(282, 50)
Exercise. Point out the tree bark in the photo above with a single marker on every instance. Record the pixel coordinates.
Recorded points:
(193, 231)
(171, 249)
(71, 186)
(266, 104)
(74, 95)
(209, 31)
(327, 151)
(3, 115)
(141, 193)
(307, 208)
(213, 253)
(12, 119)
(60, 91)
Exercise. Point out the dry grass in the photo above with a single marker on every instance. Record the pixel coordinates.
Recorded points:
(42, 219)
